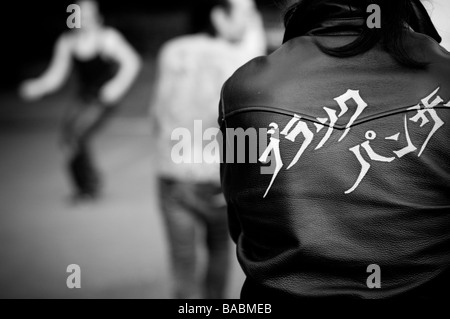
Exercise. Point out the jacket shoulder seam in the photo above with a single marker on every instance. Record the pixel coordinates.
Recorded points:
(312, 119)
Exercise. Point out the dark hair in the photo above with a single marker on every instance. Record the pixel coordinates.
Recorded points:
(305, 14)
(201, 15)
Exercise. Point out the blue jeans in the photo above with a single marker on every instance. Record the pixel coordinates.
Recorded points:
(186, 208)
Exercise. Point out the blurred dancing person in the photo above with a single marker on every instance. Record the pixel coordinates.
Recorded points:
(191, 72)
(106, 66)
(355, 203)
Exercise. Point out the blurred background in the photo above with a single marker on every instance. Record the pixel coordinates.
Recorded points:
(119, 242)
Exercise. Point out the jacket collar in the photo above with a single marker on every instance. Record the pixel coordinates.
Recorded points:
(334, 17)
(339, 17)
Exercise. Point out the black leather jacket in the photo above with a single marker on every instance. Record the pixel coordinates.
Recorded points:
(363, 178)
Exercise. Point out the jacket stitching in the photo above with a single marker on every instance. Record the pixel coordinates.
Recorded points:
(314, 120)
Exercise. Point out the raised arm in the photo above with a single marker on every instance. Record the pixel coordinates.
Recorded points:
(117, 48)
(55, 75)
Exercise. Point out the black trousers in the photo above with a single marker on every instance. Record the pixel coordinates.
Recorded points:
(80, 124)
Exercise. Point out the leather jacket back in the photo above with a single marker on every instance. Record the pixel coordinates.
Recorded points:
(359, 170)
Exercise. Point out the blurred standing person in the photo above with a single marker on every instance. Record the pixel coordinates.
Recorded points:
(191, 72)
(106, 66)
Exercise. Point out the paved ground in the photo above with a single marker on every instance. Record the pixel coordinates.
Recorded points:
(119, 242)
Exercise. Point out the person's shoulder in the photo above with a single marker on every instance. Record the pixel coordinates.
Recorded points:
(429, 49)
(437, 57)
(257, 70)
(172, 49)
(184, 42)
(246, 74)
(111, 36)
(248, 85)
(176, 51)
(66, 40)
(257, 78)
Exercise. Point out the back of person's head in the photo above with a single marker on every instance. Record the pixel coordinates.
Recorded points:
(305, 15)
(227, 19)
(201, 15)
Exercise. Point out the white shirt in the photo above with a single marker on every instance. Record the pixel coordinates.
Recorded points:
(192, 70)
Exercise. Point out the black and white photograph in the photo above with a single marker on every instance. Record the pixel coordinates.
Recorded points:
(225, 155)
